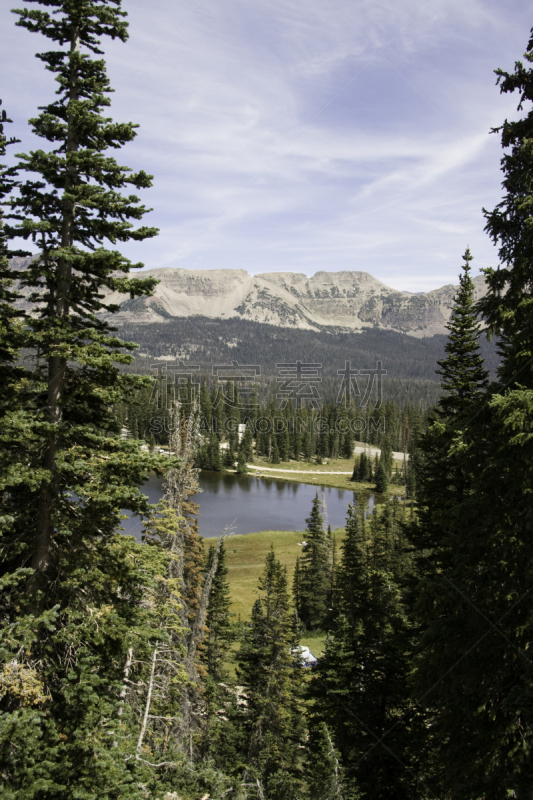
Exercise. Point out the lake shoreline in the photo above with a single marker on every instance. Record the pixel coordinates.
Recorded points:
(251, 503)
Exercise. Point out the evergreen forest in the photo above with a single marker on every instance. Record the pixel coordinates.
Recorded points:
(124, 674)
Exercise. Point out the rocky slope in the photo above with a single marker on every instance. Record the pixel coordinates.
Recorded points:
(348, 301)
(334, 301)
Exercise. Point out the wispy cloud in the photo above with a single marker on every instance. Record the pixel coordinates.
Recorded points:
(331, 135)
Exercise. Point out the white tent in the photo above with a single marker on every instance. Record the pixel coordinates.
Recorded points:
(306, 656)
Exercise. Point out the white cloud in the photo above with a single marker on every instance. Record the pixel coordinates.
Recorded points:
(331, 135)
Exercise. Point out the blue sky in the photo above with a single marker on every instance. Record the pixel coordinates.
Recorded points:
(285, 136)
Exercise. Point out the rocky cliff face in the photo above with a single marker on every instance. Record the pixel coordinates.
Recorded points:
(346, 301)
(349, 301)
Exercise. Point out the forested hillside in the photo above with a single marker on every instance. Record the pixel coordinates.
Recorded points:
(410, 363)
(206, 341)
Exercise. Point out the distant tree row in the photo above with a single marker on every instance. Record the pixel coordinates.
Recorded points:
(272, 433)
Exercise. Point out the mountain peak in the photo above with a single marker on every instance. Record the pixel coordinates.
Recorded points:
(348, 301)
(334, 301)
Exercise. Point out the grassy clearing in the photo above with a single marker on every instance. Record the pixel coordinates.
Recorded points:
(328, 465)
(316, 474)
(245, 557)
(315, 641)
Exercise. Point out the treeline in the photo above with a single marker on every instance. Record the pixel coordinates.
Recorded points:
(278, 434)
(209, 342)
(232, 434)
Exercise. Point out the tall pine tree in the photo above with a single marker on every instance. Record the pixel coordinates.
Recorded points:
(360, 687)
(270, 670)
(69, 210)
(220, 630)
(74, 591)
(475, 603)
(315, 570)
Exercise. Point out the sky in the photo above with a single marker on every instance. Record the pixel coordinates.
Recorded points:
(287, 136)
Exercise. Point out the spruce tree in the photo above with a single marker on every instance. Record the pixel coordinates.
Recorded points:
(270, 669)
(11, 330)
(386, 458)
(360, 687)
(74, 590)
(353, 562)
(296, 587)
(242, 467)
(214, 459)
(220, 631)
(475, 603)
(314, 571)
(437, 464)
(283, 441)
(382, 483)
(356, 469)
(229, 457)
(275, 459)
(463, 375)
(69, 211)
(247, 444)
(325, 774)
(330, 691)
(348, 444)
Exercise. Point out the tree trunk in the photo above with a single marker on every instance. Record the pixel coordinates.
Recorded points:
(201, 614)
(147, 706)
(127, 668)
(57, 365)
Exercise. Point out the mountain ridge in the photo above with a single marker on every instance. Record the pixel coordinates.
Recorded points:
(339, 301)
(348, 302)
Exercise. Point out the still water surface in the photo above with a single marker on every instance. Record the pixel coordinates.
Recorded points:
(251, 504)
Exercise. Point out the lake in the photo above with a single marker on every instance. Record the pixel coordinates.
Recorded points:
(251, 504)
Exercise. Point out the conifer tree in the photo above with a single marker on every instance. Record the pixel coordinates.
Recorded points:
(11, 331)
(325, 774)
(307, 442)
(386, 458)
(218, 415)
(214, 459)
(270, 669)
(348, 444)
(247, 444)
(296, 587)
(360, 687)
(475, 603)
(229, 457)
(76, 584)
(206, 412)
(283, 441)
(275, 459)
(314, 571)
(181, 485)
(463, 375)
(353, 563)
(220, 631)
(69, 212)
(365, 468)
(442, 476)
(242, 467)
(382, 483)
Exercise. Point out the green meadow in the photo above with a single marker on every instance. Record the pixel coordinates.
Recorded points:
(245, 558)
